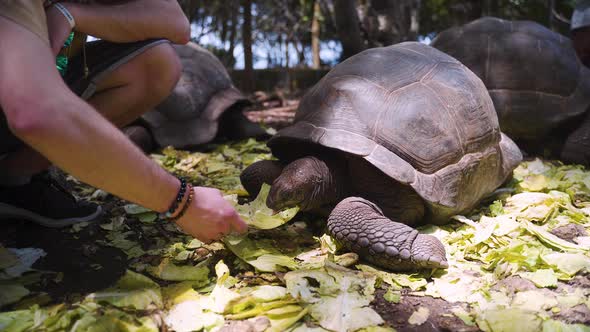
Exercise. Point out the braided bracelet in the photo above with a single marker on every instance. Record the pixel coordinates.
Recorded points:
(186, 204)
(168, 214)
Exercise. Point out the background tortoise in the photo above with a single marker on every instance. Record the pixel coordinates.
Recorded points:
(539, 87)
(204, 105)
(403, 132)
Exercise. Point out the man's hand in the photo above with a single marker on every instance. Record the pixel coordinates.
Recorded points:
(210, 216)
(58, 27)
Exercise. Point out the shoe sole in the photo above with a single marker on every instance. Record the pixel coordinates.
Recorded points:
(9, 211)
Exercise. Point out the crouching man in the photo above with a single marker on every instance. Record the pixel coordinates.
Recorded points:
(74, 125)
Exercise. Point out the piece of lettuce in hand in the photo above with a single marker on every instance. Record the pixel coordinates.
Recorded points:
(258, 215)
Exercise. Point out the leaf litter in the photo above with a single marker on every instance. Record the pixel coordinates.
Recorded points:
(283, 276)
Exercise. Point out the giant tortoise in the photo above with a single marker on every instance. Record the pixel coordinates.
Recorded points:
(539, 87)
(204, 105)
(403, 132)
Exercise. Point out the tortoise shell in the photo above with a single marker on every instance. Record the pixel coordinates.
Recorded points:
(535, 79)
(190, 115)
(417, 115)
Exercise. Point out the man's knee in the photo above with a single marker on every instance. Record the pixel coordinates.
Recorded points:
(163, 69)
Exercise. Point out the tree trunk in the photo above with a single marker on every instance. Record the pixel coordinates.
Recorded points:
(287, 64)
(225, 21)
(247, 41)
(233, 32)
(491, 7)
(349, 31)
(189, 7)
(315, 35)
(300, 48)
(414, 20)
(551, 23)
(387, 22)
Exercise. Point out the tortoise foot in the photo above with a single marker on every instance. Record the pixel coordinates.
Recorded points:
(362, 228)
(264, 171)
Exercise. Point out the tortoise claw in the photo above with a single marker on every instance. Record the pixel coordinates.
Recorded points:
(429, 252)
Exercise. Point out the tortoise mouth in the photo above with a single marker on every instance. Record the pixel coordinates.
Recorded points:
(282, 199)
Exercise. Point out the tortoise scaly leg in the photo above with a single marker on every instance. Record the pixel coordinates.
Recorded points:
(361, 226)
(264, 171)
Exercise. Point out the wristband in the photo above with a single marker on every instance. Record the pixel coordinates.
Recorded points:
(186, 204)
(177, 200)
(66, 13)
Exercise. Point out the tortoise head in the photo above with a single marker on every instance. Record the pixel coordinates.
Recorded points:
(300, 184)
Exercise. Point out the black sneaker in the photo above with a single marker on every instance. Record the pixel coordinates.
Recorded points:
(46, 202)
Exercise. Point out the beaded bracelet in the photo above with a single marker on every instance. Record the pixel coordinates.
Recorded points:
(186, 204)
(168, 214)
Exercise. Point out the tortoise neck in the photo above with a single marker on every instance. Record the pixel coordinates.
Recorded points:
(333, 185)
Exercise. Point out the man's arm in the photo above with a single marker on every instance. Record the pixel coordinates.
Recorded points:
(132, 21)
(43, 112)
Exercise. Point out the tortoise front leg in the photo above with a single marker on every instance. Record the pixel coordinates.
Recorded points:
(576, 149)
(264, 171)
(361, 227)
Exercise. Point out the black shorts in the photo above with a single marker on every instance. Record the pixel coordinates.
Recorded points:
(102, 58)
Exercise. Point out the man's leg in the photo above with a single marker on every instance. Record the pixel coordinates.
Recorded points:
(138, 85)
(122, 96)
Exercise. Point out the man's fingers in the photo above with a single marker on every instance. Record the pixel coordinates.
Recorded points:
(238, 224)
(223, 226)
(205, 239)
